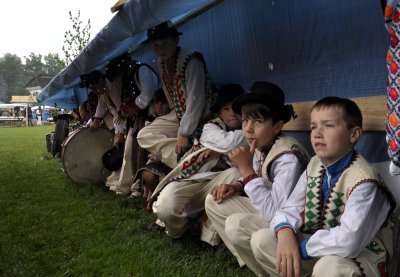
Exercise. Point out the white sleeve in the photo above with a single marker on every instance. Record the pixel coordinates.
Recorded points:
(294, 206)
(115, 89)
(101, 108)
(148, 84)
(221, 141)
(196, 96)
(285, 172)
(366, 210)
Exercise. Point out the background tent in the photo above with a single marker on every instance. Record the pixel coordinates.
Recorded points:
(68, 98)
(309, 48)
(123, 33)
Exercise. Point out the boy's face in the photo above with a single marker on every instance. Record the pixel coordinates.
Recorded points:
(160, 108)
(260, 129)
(330, 136)
(165, 48)
(231, 119)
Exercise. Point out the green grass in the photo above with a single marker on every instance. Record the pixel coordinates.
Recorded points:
(50, 226)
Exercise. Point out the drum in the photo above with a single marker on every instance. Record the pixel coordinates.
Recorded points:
(81, 155)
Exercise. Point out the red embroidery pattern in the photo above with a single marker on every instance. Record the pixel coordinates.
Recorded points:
(180, 93)
(392, 17)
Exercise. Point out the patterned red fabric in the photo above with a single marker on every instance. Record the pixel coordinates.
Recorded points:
(392, 19)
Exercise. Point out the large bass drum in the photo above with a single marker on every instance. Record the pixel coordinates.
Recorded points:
(81, 155)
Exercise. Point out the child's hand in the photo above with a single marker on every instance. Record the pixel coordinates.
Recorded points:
(288, 259)
(118, 120)
(118, 139)
(95, 124)
(208, 154)
(242, 157)
(181, 145)
(225, 191)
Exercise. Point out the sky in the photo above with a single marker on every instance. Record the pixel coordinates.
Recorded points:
(39, 25)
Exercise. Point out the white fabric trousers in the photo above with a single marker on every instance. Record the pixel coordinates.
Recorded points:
(159, 138)
(181, 198)
(264, 243)
(222, 217)
(120, 180)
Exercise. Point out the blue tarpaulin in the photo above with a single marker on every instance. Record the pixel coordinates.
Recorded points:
(124, 33)
(311, 49)
(69, 98)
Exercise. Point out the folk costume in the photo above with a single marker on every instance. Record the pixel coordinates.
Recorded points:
(392, 24)
(337, 222)
(183, 191)
(277, 166)
(190, 92)
(278, 170)
(131, 82)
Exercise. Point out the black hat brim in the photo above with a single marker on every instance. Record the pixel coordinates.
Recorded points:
(174, 34)
(249, 97)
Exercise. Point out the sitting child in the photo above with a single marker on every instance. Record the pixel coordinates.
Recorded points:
(148, 177)
(184, 190)
(269, 169)
(329, 224)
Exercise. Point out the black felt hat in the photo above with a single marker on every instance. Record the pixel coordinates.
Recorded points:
(113, 158)
(117, 65)
(161, 31)
(268, 94)
(90, 78)
(226, 93)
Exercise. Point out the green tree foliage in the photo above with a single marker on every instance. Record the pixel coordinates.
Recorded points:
(53, 63)
(11, 77)
(77, 38)
(34, 65)
(14, 74)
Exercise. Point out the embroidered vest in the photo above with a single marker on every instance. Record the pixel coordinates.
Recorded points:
(176, 88)
(282, 145)
(372, 260)
(325, 216)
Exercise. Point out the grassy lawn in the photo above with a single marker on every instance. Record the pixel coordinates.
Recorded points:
(50, 226)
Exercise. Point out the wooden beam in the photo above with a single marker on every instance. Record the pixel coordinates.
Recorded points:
(373, 109)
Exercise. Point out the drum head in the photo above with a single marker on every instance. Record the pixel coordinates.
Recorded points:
(82, 152)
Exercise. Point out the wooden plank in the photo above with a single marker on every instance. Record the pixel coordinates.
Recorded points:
(373, 109)
(117, 6)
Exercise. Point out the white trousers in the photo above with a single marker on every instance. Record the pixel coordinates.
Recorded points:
(159, 138)
(181, 198)
(120, 180)
(221, 216)
(264, 244)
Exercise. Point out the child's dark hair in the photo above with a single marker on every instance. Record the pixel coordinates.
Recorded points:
(159, 96)
(351, 112)
(260, 110)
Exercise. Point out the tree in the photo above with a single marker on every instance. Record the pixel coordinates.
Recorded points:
(12, 76)
(76, 39)
(53, 63)
(33, 65)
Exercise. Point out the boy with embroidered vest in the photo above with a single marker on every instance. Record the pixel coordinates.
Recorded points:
(328, 226)
(183, 191)
(189, 90)
(269, 169)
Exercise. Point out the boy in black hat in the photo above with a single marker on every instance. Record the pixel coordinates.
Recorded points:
(103, 113)
(189, 90)
(182, 192)
(270, 167)
(132, 86)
